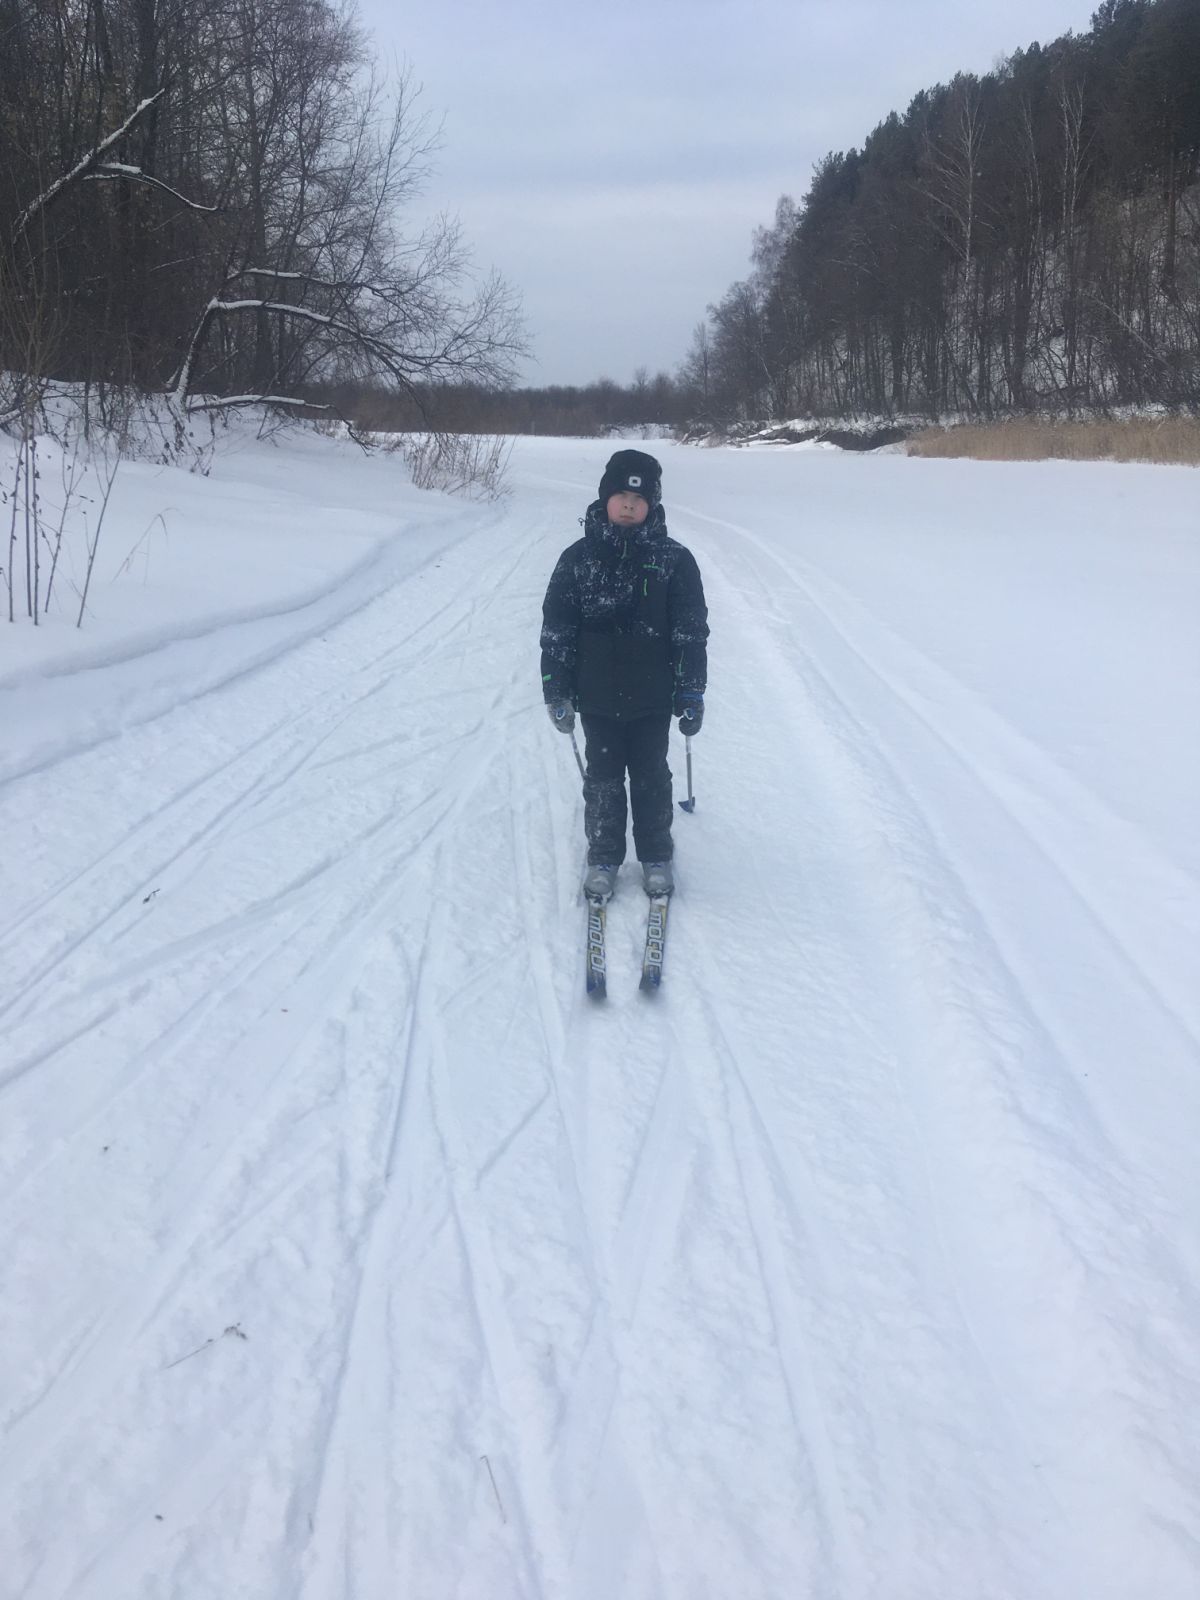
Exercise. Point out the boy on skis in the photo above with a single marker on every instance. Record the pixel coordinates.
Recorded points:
(623, 643)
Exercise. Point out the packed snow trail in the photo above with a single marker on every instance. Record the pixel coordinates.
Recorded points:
(350, 1252)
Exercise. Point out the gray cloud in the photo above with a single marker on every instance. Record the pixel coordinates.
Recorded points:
(612, 161)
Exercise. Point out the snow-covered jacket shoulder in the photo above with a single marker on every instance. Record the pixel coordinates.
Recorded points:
(624, 621)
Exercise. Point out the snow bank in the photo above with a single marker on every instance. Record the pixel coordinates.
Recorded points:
(205, 573)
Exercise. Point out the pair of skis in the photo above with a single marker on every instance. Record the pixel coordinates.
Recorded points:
(652, 955)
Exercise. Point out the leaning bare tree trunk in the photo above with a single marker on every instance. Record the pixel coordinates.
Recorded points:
(81, 168)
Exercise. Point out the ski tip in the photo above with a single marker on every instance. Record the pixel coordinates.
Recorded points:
(651, 982)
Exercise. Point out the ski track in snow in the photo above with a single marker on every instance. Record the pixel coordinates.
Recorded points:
(352, 1252)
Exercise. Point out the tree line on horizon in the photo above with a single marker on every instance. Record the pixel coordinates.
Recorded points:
(662, 403)
(1024, 239)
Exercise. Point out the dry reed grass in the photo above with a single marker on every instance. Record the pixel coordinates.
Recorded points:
(1166, 440)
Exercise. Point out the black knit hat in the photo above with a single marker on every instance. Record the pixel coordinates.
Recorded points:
(632, 472)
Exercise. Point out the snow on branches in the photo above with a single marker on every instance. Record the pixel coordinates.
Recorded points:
(112, 170)
(82, 167)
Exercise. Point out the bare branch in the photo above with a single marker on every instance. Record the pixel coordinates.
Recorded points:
(81, 167)
(458, 345)
(255, 400)
(112, 170)
(336, 285)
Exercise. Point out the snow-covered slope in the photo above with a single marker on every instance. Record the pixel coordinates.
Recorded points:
(348, 1253)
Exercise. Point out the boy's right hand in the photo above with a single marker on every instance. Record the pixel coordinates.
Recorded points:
(562, 714)
(689, 708)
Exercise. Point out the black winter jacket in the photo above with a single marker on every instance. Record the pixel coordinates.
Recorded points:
(624, 622)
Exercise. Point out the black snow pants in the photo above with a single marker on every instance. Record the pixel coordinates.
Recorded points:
(639, 746)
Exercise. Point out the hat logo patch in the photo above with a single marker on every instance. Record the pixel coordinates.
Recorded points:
(635, 481)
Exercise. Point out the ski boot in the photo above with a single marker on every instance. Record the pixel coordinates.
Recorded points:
(600, 881)
(657, 877)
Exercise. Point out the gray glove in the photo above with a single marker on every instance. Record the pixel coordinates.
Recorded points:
(561, 714)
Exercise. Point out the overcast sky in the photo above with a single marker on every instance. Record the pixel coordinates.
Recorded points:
(612, 161)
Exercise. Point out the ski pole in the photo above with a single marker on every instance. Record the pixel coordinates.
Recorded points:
(690, 803)
(578, 757)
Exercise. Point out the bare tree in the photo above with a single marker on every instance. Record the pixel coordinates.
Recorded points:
(1022, 237)
(214, 194)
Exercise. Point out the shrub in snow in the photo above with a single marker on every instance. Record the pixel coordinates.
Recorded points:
(470, 464)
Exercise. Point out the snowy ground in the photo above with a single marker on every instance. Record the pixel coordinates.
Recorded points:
(348, 1254)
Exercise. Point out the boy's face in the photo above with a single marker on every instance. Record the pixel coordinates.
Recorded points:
(627, 509)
